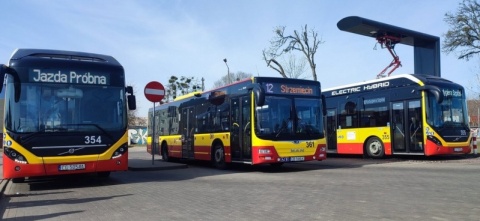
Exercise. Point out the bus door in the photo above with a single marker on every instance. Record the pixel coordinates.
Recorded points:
(187, 119)
(415, 131)
(398, 127)
(331, 130)
(240, 138)
(406, 127)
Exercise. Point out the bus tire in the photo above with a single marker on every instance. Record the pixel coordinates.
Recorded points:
(104, 174)
(375, 148)
(219, 156)
(164, 152)
(18, 180)
(276, 165)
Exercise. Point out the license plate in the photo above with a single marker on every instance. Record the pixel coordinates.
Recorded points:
(458, 149)
(292, 159)
(297, 159)
(72, 167)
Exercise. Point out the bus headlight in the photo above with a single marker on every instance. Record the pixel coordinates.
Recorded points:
(15, 156)
(119, 152)
(264, 151)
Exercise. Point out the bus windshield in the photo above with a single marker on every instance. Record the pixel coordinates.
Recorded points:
(451, 112)
(284, 118)
(63, 107)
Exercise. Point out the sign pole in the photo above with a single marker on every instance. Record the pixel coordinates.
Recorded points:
(154, 144)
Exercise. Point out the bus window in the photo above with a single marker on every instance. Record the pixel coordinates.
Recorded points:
(348, 116)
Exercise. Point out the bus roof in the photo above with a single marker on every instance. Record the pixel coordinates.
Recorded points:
(191, 94)
(419, 79)
(60, 54)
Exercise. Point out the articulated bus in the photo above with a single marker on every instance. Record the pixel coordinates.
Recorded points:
(406, 114)
(261, 120)
(65, 113)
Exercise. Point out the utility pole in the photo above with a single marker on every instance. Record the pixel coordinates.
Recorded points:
(228, 71)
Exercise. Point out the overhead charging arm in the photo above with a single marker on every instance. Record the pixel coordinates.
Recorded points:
(389, 42)
(426, 48)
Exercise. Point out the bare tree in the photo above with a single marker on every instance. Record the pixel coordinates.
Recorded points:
(295, 68)
(305, 41)
(464, 32)
(224, 80)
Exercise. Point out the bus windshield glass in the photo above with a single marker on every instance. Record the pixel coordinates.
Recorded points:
(64, 107)
(286, 118)
(451, 112)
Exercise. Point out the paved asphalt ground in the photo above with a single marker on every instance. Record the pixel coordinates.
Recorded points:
(138, 160)
(341, 188)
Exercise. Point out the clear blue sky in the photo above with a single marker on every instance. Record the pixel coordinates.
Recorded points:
(154, 39)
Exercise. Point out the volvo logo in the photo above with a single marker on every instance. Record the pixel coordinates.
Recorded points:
(71, 151)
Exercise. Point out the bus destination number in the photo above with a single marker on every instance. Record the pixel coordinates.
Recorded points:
(93, 139)
(310, 144)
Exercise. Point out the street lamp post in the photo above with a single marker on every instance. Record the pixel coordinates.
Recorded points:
(478, 114)
(228, 71)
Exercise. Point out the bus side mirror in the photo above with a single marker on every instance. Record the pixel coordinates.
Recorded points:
(131, 100)
(324, 105)
(129, 89)
(132, 103)
(259, 93)
(16, 80)
(434, 90)
(3, 71)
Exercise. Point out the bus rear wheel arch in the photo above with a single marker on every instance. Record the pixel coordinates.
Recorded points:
(375, 148)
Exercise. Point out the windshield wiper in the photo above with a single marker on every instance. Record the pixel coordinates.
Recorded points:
(282, 128)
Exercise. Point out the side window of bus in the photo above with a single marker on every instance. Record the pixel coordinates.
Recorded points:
(348, 116)
(224, 121)
(374, 117)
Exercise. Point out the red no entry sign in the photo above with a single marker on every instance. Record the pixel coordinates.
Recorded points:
(154, 91)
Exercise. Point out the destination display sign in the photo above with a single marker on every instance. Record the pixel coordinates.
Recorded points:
(452, 93)
(68, 77)
(293, 89)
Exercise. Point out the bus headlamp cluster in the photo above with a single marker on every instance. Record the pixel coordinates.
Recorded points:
(15, 156)
(119, 152)
(264, 151)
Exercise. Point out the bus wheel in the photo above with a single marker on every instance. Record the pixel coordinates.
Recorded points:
(165, 153)
(219, 157)
(276, 165)
(104, 174)
(375, 148)
(18, 180)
